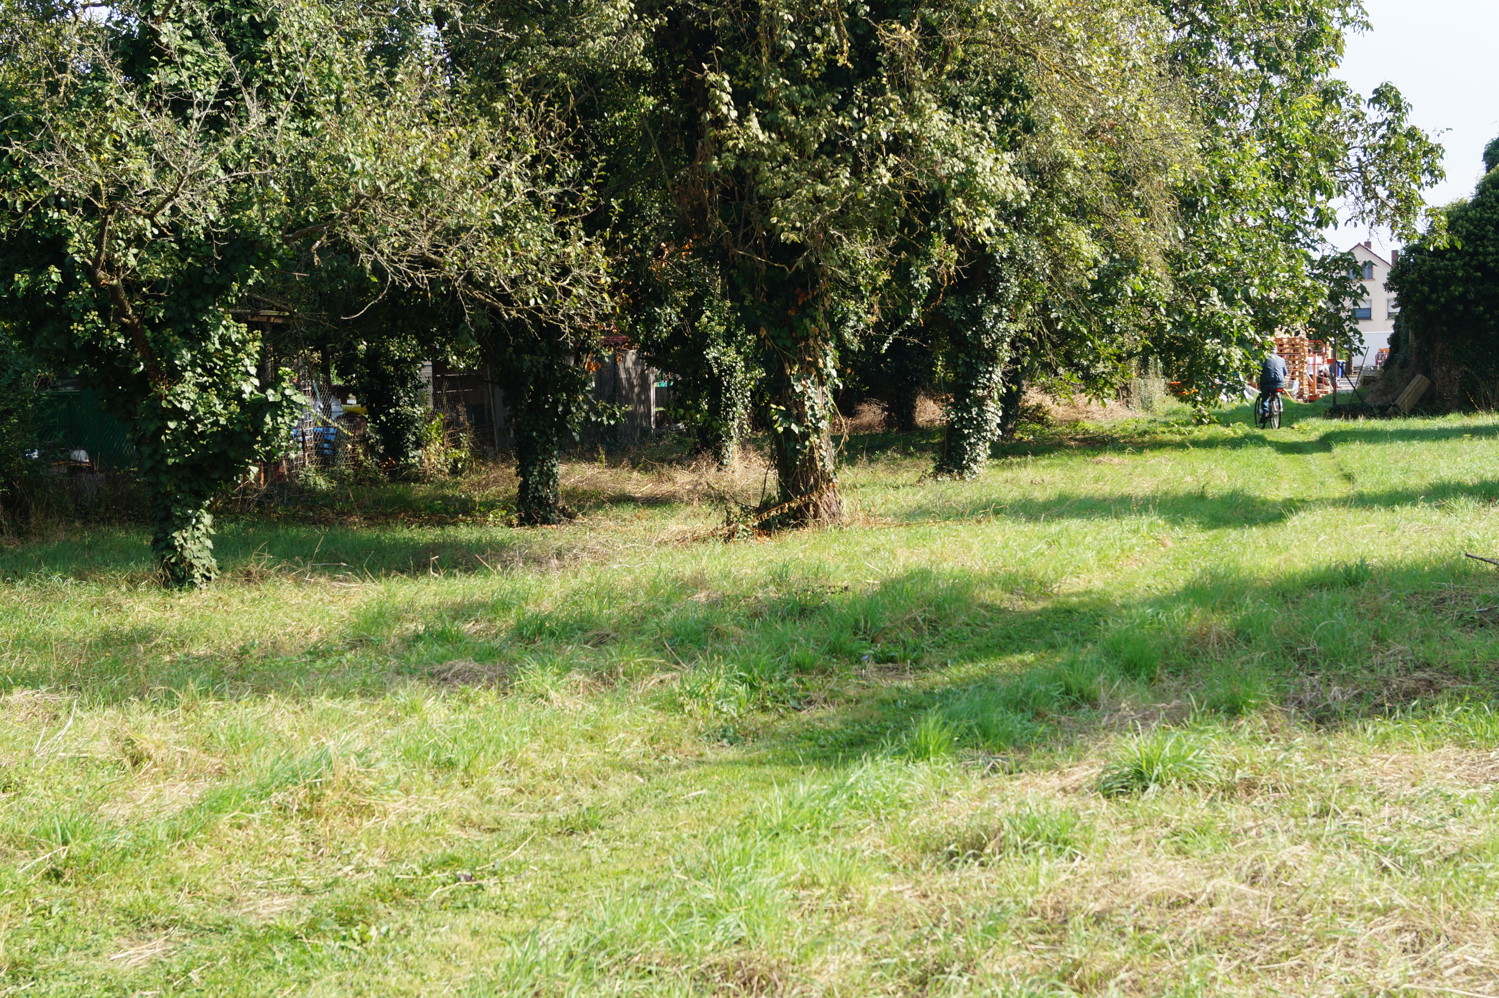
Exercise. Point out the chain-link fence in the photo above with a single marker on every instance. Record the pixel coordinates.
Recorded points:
(329, 432)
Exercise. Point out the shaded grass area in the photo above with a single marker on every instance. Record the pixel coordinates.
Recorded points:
(1153, 710)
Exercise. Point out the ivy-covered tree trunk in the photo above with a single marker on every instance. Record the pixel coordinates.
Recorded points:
(545, 393)
(181, 532)
(1448, 329)
(176, 170)
(538, 444)
(196, 432)
(980, 331)
(719, 443)
(718, 437)
(800, 415)
(726, 404)
(711, 394)
(388, 377)
(1014, 394)
(686, 325)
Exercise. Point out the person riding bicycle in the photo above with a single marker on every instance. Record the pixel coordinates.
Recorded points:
(1273, 374)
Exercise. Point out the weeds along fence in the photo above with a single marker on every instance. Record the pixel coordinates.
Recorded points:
(75, 459)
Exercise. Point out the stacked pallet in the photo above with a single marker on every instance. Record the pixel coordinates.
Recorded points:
(1295, 351)
(1318, 374)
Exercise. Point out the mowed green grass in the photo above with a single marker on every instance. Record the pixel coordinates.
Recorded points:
(1144, 710)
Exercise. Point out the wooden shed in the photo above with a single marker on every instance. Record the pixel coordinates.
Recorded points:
(620, 378)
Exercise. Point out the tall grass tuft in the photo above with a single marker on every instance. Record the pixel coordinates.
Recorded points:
(1151, 762)
(1137, 653)
(934, 738)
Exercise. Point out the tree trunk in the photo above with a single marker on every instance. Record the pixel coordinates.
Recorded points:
(543, 392)
(1009, 406)
(181, 537)
(719, 443)
(189, 445)
(800, 418)
(538, 445)
(726, 401)
(389, 382)
(980, 332)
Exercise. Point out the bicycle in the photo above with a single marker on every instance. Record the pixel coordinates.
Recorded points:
(1268, 408)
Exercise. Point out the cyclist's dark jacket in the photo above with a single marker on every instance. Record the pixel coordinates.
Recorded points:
(1272, 373)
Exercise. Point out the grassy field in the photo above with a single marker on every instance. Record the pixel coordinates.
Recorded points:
(1145, 710)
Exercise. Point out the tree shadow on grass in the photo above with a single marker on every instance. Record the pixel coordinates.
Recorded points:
(251, 550)
(1231, 509)
(812, 671)
(1330, 648)
(785, 634)
(816, 674)
(284, 543)
(1215, 510)
(1332, 434)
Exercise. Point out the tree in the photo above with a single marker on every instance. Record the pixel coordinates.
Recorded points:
(1095, 129)
(894, 368)
(468, 211)
(1448, 286)
(138, 157)
(385, 368)
(775, 154)
(1284, 144)
(679, 311)
(552, 73)
(805, 144)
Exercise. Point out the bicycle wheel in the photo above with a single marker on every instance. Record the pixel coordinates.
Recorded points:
(1261, 412)
(1276, 405)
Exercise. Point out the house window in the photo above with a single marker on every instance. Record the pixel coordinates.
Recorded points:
(1364, 312)
(1392, 310)
(1368, 271)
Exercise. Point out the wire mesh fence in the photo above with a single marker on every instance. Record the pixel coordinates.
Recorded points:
(73, 432)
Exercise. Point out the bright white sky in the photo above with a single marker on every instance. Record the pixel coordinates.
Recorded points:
(1441, 54)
